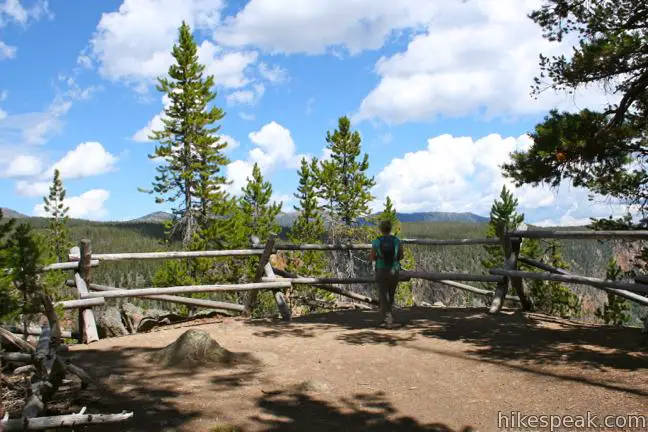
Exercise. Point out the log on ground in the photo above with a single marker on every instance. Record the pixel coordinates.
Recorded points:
(70, 420)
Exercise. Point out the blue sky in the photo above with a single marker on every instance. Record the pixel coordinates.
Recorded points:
(439, 91)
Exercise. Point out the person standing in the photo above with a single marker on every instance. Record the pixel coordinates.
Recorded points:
(387, 252)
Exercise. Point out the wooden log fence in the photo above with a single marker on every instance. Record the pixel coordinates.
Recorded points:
(583, 280)
(629, 295)
(211, 304)
(475, 290)
(171, 255)
(637, 235)
(143, 292)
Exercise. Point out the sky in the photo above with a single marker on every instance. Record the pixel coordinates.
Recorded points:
(438, 89)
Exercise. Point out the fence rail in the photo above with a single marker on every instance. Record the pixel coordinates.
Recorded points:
(507, 278)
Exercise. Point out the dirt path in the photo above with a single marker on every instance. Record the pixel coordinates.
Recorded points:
(442, 370)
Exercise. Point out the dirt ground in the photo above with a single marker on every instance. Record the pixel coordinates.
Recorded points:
(442, 369)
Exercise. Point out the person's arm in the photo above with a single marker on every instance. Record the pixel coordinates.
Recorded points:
(372, 254)
(401, 253)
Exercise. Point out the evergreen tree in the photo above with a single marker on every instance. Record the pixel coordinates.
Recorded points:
(8, 300)
(344, 184)
(23, 258)
(258, 217)
(59, 235)
(192, 153)
(258, 214)
(309, 225)
(615, 311)
(604, 151)
(308, 228)
(553, 297)
(503, 213)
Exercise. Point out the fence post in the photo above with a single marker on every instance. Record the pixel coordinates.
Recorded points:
(87, 323)
(251, 298)
(518, 284)
(509, 264)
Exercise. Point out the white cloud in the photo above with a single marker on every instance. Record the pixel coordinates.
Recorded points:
(32, 189)
(7, 51)
(87, 159)
(275, 149)
(476, 58)
(287, 26)
(23, 166)
(228, 69)
(246, 97)
(246, 116)
(88, 205)
(3, 114)
(12, 11)
(231, 142)
(459, 174)
(274, 74)
(154, 24)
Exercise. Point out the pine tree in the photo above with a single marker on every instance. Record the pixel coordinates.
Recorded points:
(59, 235)
(344, 184)
(192, 153)
(258, 214)
(8, 300)
(23, 258)
(604, 151)
(503, 213)
(553, 297)
(615, 311)
(309, 225)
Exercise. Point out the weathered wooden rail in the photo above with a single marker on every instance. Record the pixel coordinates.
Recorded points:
(507, 278)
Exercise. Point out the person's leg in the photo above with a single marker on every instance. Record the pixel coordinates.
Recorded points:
(382, 293)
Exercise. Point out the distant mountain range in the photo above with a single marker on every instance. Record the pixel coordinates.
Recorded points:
(8, 213)
(286, 219)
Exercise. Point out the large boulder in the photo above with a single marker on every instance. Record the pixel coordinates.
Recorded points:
(109, 322)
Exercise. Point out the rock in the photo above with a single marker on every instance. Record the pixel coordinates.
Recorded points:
(313, 386)
(194, 348)
(109, 322)
(131, 315)
(438, 304)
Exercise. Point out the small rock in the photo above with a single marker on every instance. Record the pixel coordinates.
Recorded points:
(439, 304)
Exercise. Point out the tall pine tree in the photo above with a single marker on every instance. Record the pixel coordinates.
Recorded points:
(191, 174)
(259, 218)
(8, 299)
(344, 183)
(308, 227)
(58, 238)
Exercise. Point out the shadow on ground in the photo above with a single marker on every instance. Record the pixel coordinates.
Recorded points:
(298, 411)
(533, 338)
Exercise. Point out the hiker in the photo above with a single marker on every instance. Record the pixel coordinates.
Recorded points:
(387, 252)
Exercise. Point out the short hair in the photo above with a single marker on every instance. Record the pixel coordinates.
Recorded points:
(385, 226)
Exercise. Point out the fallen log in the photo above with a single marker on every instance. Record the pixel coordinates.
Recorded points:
(62, 421)
(638, 298)
(211, 304)
(142, 292)
(7, 333)
(83, 376)
(583, 280)
(331, 288)
(17, 357)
